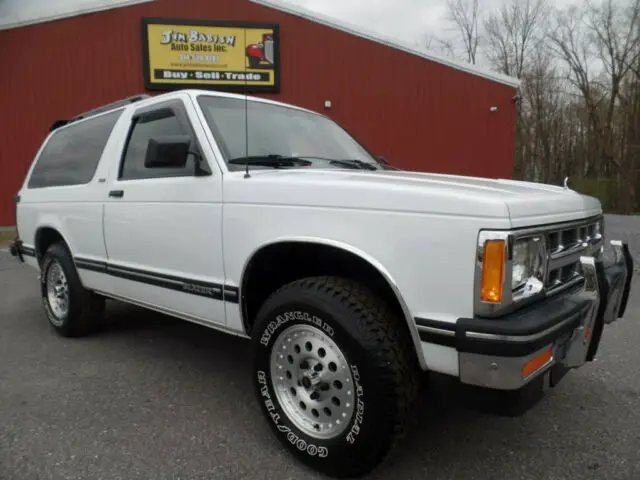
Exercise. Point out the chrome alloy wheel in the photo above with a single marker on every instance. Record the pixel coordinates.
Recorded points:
(57, 292)
(312, 381)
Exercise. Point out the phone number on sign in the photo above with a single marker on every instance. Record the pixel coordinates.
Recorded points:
(199, 58)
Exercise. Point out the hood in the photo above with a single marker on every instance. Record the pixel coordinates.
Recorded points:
(523, 203)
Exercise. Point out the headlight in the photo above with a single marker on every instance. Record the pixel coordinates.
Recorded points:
(528, 263)
(508, 269)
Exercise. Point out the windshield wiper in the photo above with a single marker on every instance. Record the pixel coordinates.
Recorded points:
(278, 161)
(359, 164)
(271, 160)
(346, 162)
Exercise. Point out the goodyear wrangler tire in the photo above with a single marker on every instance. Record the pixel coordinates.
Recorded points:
(334, 374)
(71, 309)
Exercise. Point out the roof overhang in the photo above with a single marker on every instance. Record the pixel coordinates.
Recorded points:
(21, 13)
(388, 41)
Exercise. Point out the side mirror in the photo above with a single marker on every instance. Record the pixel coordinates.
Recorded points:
(170, 151)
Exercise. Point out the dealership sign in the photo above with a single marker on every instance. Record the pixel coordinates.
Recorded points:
(228, 56)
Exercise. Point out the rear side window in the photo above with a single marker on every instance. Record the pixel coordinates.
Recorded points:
(71, 155)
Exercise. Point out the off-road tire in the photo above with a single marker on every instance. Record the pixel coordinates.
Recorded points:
(85, 310)
(376, 345)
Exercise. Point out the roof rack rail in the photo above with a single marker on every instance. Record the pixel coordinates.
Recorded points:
(57, 124)
(104, 108)
(111, 106)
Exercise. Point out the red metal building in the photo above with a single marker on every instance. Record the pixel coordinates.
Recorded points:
(419, 111)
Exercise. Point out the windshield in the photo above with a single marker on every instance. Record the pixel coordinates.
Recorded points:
(275, 130)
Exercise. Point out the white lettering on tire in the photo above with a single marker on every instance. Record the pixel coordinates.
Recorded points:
(359, 414)
(299, 443)
(295, 315)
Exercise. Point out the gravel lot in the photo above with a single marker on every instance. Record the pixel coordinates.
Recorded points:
(155, 398)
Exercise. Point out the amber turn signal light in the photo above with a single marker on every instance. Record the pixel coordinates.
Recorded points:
(492, 271)
(536, 363)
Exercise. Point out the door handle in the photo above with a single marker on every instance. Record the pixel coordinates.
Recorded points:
(116, 193)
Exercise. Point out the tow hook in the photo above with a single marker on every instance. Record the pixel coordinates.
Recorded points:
(15, 249)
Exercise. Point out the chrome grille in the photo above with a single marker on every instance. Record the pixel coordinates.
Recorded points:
(566, 244)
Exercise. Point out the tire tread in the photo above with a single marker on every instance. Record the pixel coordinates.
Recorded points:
(85, 319)
(384, 335)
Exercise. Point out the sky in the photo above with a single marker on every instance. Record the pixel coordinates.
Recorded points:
(409, 20)
(412, 21)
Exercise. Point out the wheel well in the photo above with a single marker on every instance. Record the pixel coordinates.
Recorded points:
(281, 263)
(45, 237)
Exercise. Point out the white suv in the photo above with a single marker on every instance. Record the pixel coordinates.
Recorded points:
(350, 278)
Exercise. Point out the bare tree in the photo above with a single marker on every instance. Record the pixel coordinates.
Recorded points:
(439, 45)
(513, 32)
(540, 118)
(579, 102)
(617, 43)
(464, 14)
(606, 35)
(572, 43)
(428, 41)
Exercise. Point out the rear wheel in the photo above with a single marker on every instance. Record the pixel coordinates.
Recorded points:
(334, 374)
(70, 308)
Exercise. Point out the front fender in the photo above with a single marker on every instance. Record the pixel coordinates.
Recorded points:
(362, 255)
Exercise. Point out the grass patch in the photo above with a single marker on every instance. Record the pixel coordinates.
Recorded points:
(7, 236)
(604, 189)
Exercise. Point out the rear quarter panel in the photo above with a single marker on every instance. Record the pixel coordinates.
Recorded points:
(76, 211)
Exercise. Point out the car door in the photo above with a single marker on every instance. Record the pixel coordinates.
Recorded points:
(162, 226)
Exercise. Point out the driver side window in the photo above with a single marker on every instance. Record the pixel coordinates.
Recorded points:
(133, 167)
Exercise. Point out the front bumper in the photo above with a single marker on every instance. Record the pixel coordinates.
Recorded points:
(551, 337)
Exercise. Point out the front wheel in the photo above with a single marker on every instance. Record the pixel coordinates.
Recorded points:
(333, 373)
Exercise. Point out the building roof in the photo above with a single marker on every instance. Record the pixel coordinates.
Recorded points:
(357, 30)
(20, 13)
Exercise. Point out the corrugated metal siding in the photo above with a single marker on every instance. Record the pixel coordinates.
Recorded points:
(418, 114)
